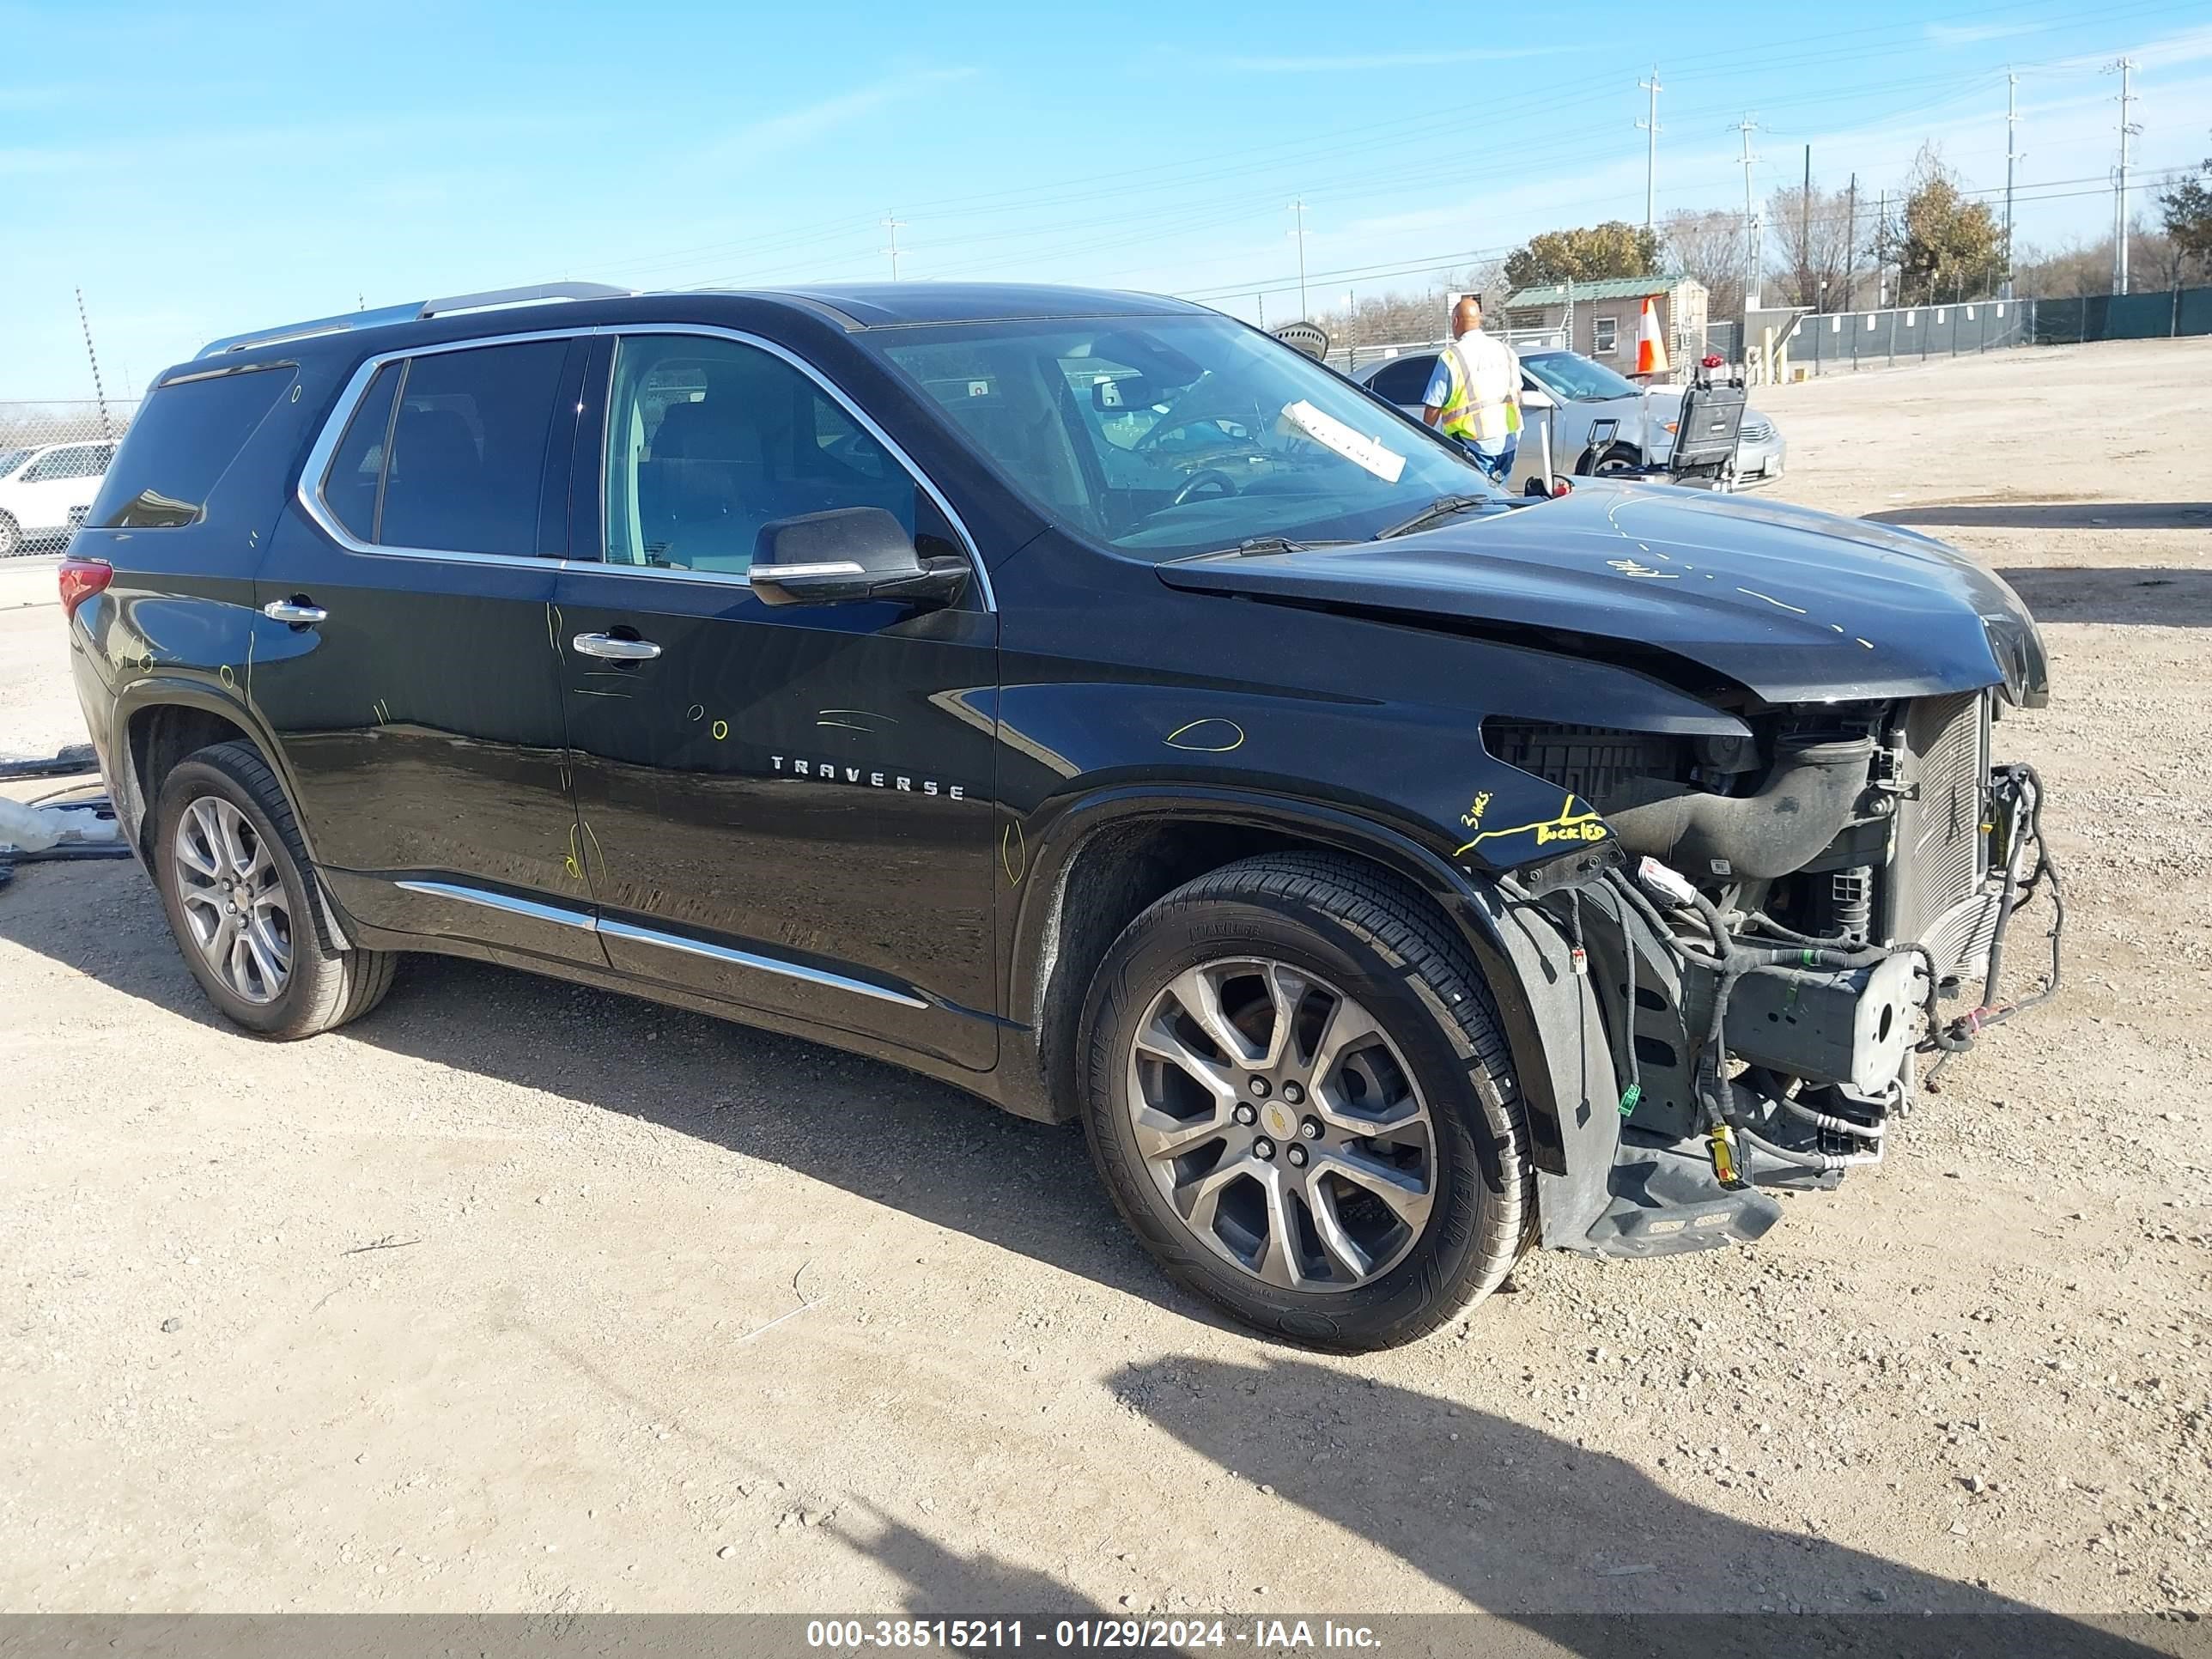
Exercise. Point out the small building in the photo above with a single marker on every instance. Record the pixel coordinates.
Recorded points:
(1600, 318)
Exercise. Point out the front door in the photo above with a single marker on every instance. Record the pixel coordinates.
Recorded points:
(785, 807)
(416, 697)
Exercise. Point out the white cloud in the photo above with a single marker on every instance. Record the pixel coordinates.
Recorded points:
(776, 134)
(1338, 64)
(1970, 34)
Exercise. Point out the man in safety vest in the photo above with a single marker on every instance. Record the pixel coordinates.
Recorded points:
(1474, 395)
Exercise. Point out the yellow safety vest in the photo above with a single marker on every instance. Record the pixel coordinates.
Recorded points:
(1461, 418)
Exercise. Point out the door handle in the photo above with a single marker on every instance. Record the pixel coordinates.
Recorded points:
(616, 650)
(294, 612)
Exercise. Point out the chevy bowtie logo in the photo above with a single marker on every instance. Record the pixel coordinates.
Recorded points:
(831, 772)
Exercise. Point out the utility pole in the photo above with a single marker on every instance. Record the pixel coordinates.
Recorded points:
(99, 393)
(1260, 300)
(1881, 253)
(2013, 156)
(1651, 128)
(1299, 207)
(1746, 127)
(1851, 247)
(1805, 221)
(2128, 130)
(894, 225)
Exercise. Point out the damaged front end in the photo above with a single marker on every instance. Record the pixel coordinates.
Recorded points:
(1777, 955)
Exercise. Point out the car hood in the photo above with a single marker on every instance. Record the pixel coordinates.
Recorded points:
(1794, 605)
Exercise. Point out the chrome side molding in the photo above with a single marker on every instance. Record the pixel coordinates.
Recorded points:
(623, 930)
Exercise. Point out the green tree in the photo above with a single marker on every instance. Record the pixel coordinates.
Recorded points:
(1947, 248)
(2187, 207)
(1612, 249)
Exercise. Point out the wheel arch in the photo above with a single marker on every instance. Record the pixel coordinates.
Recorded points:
(162, 721)
(1105, 856)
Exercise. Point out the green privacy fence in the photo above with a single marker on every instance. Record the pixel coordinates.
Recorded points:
(2164, 315)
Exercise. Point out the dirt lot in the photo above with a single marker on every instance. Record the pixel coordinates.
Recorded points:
(473, 1305)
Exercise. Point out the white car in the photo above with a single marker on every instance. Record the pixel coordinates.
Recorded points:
(45, 491)
(1583, 392)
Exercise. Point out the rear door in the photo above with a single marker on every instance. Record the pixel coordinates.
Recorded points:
(406, 667)
(785, 807)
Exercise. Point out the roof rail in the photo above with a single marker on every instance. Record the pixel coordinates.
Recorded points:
(345, 322)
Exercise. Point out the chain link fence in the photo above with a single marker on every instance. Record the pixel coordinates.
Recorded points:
(52, 457)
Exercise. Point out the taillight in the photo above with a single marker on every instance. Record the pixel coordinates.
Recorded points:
(81, 579)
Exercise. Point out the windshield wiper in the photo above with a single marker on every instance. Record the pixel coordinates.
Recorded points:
(1260, 546)
(1444, 507)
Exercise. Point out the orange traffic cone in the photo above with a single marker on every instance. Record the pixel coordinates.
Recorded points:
(1650, 350)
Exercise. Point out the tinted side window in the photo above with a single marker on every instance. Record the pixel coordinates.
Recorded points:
(357, 468)
(469, 449)
(708, 440)
(178, 449)
(1405, 381)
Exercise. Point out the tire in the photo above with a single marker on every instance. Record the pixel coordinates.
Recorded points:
(1352, 936)
(277, 973)
(11, 537)
(1618, 459)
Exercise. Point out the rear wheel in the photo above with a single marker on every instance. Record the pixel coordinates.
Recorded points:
(11, 537)
(1299, 1098)
(232, 873)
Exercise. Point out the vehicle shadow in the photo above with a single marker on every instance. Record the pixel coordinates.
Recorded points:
(2141, 596)
(872, 1128)
(2059, 515)
(1574, 1544)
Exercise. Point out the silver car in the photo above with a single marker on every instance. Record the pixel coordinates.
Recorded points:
(1581, 394)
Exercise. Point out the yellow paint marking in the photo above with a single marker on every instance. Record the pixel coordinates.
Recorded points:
(1209, 742)
(1013, 853)
(597, 857)
(1570, 825)
(722, 730)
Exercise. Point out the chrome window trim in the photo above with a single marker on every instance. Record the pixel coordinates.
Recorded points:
(748, 959)
(308, 491)
(491, 901)
(586, 923)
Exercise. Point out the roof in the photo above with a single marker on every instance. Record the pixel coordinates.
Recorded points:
(880, 304)
(1609, 288)
(853, 305)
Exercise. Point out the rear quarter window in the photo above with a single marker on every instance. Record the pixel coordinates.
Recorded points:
(182, 443)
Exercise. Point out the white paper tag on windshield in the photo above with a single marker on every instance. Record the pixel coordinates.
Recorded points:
(1357, 447)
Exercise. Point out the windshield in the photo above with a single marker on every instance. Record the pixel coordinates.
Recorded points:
(1169, 435)
(1576, 378)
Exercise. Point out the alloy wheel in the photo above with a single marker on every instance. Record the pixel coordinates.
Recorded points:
(1282, 1125)
(233, 899)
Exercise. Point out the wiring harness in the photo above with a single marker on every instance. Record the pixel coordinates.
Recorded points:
(1767, 947)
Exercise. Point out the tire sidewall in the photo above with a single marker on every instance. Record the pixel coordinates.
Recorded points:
(197, 780)
(1470, 1160)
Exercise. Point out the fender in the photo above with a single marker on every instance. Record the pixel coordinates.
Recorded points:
(1548, 1017)
(209, 697)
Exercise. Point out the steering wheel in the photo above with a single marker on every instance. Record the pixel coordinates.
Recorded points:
(1225, 485)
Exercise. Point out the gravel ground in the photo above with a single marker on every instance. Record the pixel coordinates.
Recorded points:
(518, 1297)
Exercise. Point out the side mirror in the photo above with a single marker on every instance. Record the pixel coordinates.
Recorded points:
(847, 553)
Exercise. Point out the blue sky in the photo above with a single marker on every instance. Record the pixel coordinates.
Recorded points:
(205, 169)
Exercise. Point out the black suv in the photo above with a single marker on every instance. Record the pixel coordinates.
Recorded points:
(1085, 699)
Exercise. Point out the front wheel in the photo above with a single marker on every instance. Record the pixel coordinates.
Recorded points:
(232, 873)
(1298, 1096)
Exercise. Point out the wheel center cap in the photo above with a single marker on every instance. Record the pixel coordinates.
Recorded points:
(1279, 1120)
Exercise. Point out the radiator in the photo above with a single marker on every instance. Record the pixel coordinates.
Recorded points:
(1939, 869)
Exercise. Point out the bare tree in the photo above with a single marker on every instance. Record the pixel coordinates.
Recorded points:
(1811, 239)
(1708, 246)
